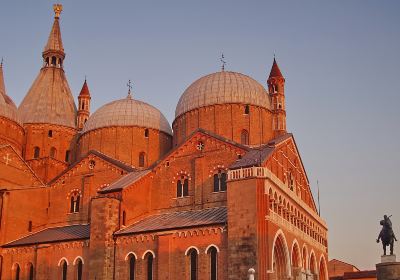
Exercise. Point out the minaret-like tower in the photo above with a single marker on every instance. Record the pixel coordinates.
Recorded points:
(83, 106)
(276, 88)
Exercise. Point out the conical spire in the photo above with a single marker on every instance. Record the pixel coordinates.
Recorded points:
(7, 106)
(54, 43)
(85, 90)
(275, 71)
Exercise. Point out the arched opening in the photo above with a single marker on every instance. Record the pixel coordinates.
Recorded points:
(322, 269)
(220, 181)
(313, 269)
(67, 153)
(193, 256)
(213, 253)
(16, 272)
(142, 159)
(53, 61)
(75, 201)
(146, 133)
(246, 109)
(30, 271)
(64, 270)
(53, 152)
(244, 137)
(36, 152)
(131, 268)
(296, 261)
(79, 269)
(182, 187)
(149, 265)
(280, 258)
(124, 218)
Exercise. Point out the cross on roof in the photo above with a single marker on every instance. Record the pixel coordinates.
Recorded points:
(7, 158)
(223, 62)
(129, 85)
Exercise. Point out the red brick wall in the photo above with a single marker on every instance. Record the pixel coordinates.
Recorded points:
(125, 143)
(12, 133)
(226, 120)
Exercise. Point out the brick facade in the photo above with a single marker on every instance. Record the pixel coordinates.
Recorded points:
(204, 203)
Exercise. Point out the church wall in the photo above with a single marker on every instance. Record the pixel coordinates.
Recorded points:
(83, 181)
(39, 135)
(226, 120)
(47, 168)
(46, 259)
(17, 211)
(12, 133)
(126, 143)
(169, 249)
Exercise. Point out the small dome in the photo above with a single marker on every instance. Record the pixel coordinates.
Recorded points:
(128, 112)
(222, 88)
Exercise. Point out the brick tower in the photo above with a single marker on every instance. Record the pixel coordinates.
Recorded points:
(83, 106)
(276, 88)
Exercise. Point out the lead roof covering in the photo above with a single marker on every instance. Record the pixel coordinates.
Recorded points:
(222, 88)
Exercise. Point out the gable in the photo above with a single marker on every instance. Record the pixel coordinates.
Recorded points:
(286, 164)
(14, 171)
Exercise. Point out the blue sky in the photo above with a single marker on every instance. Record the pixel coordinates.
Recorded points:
(340, 59)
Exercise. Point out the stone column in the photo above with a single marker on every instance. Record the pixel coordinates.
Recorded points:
(388, 268)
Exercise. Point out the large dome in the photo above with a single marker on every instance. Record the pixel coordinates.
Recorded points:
(221, 88)
(128, 112)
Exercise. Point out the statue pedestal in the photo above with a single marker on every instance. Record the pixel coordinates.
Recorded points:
(388, 258)
(388, 269)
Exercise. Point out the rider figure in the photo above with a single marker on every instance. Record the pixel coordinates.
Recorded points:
(387, 223)
(386, 234)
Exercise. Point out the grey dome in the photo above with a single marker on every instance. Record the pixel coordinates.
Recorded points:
(127, 112)
(222, 88)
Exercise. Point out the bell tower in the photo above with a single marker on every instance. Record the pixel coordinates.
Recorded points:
(83, 106)
(276, 89)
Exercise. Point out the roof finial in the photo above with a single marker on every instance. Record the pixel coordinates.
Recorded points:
(1, 64)
(223, 62)
(57, 10)
(129, 85)
(85, 78)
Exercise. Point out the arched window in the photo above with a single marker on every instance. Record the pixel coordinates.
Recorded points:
(79, 269)
(64, 267)
(50, 133)
(213, 252)
(75, 201)
(17, 272)
(244, 137)
(47, 61)
(36, 152)
(193, 263)
(220, 181)
(67, 153)
(246, 109)
(30, 271)
(146, 133)
(124, 218)
(132, 263)
(142, 159)
(53, 152)
(290, 180)
(29, 226)
(182, 187)
(149, 265)
(53, 61)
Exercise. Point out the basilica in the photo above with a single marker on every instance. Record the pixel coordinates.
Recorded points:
(120, 193)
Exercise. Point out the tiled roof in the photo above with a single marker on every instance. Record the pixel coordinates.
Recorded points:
(360, 275)
(54, 43)
(222, 88)
(256, 156)
(85, 90)
(125, 181)
(182, 219)
(7, 106)
(51, 235)
(128, 112)
(113, 161)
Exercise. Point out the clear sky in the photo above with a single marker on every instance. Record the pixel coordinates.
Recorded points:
(340, 58)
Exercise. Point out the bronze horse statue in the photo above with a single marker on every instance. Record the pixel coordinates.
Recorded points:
(386, 235)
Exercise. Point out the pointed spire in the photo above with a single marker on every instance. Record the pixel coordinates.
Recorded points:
(85, 89)
(275, 71)
(54, 43)
(2, 85)
(129, 85)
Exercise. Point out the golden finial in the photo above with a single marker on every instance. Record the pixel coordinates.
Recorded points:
(57, 10)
